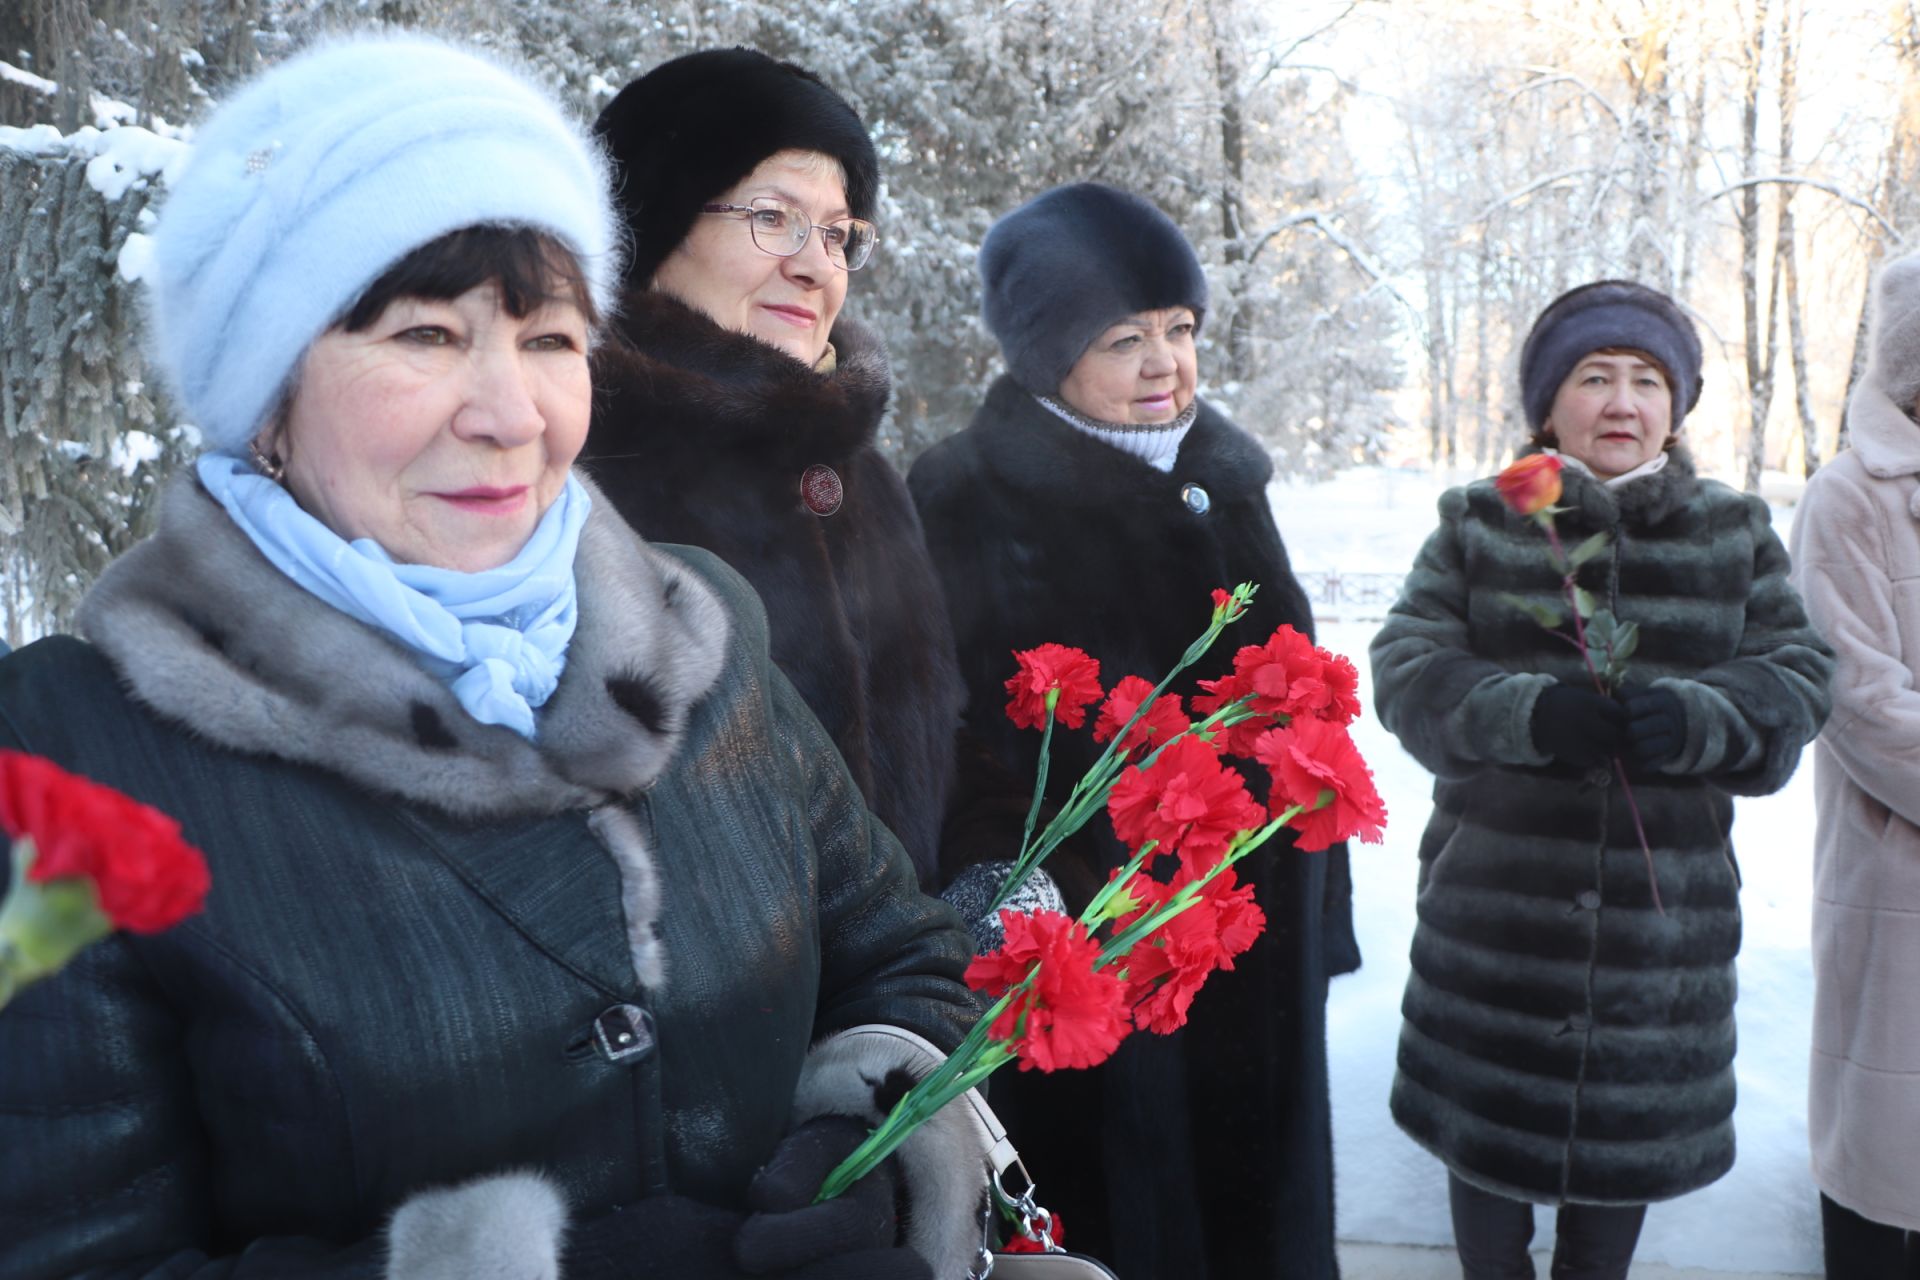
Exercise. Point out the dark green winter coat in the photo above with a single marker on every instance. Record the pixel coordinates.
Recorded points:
(1564, 1042)
(421, 927)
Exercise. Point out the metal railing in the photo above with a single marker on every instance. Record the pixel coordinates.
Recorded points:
(1335, 594)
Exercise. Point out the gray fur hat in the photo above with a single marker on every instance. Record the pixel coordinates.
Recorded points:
(1594, 317)
(1057, 271)
(1895, 364)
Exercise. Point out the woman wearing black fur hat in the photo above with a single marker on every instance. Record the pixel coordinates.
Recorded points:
(1566, 1041)
(737, 406)
(1095, 500)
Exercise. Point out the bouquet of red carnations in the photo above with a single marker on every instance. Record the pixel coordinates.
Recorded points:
(1067, 991)
(86, 860)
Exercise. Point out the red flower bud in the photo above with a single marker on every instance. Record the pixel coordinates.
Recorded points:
(1530, 485)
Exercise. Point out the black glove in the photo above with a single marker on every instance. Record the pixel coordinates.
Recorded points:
(851, 1237)
(658, 1238)
(1577, 726)
(1656, 725)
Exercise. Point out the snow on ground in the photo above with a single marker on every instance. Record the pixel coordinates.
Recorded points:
(1762, 1216)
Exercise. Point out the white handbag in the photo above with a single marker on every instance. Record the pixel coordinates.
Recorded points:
(998, 1157)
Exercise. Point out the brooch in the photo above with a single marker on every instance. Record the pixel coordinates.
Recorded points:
(821, 490)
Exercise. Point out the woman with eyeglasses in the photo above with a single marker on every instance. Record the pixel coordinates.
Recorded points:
(737, 405)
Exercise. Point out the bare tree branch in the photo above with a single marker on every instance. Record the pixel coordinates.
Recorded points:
(1838, 193)
(1547, 77)
(1521, 193)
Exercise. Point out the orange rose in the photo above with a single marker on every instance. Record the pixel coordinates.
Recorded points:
(1530, 485)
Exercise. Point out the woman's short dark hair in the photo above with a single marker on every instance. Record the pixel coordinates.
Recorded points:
(531, 268)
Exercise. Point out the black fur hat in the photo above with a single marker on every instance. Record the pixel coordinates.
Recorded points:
(1057, 271)
(689, 129)
(1594, 317)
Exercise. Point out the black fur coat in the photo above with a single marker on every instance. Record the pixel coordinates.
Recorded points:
(700, 435)
(1205, 1155)
(1564, 1041)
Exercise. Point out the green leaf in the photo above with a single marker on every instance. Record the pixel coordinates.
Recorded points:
(1625, 641)
(1583, 601)
(1544, 614)
(1588, 550)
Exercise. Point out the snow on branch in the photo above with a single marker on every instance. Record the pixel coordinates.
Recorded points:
(38, 84)
(1838, 193)
(1321, 222)
(1521, 193)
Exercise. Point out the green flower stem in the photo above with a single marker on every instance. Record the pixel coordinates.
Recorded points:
(1096, 913)
(1090, 792)
(979, 1055)
(1121, 943)
(1040, 774)
(43, 923)
(1567, 588)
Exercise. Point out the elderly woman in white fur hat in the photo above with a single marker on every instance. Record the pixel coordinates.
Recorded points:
(540, 903)
(1856, 554)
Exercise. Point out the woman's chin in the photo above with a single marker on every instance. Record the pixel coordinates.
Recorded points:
(805, 346)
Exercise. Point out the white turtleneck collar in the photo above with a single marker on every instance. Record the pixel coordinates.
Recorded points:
(1652, 466)
(1155, 443)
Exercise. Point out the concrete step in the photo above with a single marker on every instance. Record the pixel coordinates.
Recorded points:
(1412, 1262)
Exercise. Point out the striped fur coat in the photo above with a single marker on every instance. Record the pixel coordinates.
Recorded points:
(1563, 1041)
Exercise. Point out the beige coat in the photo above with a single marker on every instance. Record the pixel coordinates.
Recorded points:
(1856, 553)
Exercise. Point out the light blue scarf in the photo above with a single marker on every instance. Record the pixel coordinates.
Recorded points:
(498, 638)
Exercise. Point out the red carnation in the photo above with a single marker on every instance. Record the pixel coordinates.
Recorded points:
(1309, 757)
(1162, 723)
(1290, 676)
(1046, 668)
(1021, 1242)
(146, 876)
(1073, 1015)
(1166, 969)
(1188, 801)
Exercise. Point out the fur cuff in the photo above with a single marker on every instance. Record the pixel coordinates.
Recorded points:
(505, 1227)
(943, 1165)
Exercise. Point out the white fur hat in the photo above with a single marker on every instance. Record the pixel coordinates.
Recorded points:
(1895, 362)
(321, 174)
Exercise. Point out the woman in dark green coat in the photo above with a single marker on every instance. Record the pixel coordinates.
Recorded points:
(539, 900)
(1566, 1043)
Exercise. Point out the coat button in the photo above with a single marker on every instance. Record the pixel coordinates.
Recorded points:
(1197, 499)
(1599, 776)
(1589, 900)
(624, 1033)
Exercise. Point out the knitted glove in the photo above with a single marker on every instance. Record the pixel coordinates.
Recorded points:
(1656, 725)
(1577, 726)
(851, 1237)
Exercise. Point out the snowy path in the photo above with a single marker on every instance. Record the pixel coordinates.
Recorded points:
(1763, 1216)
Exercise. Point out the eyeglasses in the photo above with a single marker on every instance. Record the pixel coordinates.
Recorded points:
(780, 229)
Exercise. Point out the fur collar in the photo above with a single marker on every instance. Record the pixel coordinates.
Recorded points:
(672, 378)
(205, 632)
(1887, 440)
(1031, 449)
(1638, 504)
